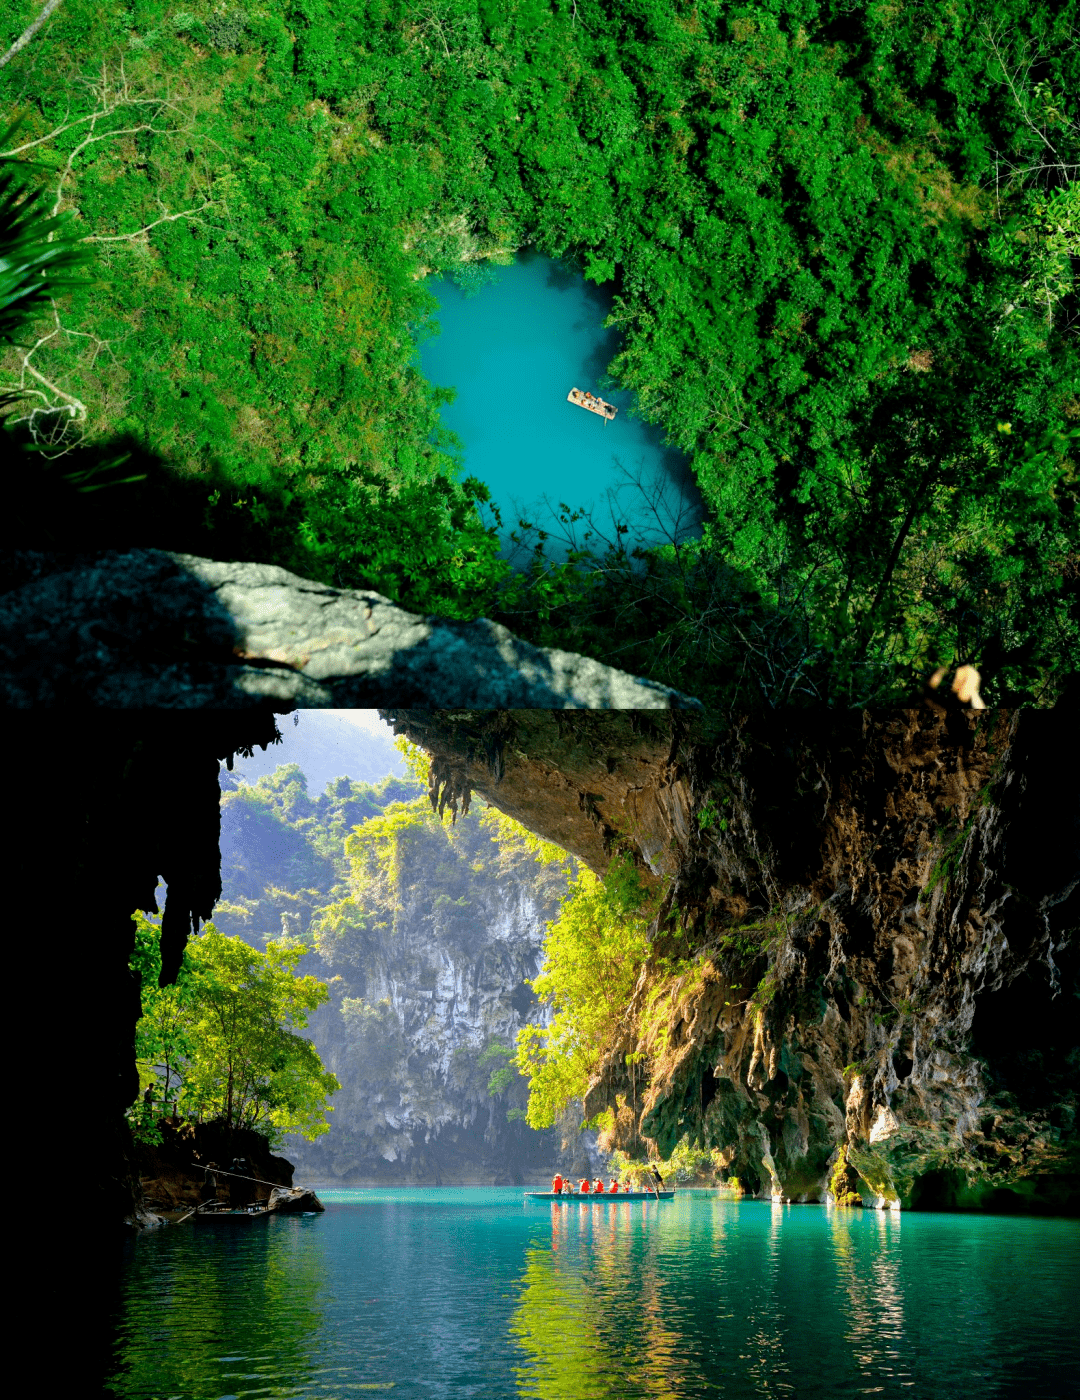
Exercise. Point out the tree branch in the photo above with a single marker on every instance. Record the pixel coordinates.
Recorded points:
(76, 406)
(165, 219)
(27, 34)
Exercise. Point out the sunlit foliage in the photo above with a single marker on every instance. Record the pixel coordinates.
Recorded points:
(221, 1043)
(687, 1162)
(392, 859)
(593, 954)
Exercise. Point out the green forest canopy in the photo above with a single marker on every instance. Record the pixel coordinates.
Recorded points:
(842, 243)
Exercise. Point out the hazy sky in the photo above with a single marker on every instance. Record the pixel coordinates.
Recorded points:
(329, 744)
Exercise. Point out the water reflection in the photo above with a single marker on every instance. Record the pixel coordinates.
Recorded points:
(769, 1368)
(198, 1284)
(869, 1274)
(728, 1301)
(595, 1312)
(461, 1292)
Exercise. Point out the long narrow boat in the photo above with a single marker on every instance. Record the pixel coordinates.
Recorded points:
(614, 1196)
(223, 1215)
(592, 403)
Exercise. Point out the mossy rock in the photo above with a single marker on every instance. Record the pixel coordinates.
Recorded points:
(875, 1172)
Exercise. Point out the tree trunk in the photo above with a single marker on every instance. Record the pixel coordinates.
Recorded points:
(894, 555)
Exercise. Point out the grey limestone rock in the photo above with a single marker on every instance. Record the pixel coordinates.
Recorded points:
(294, 1200)
(146, 628)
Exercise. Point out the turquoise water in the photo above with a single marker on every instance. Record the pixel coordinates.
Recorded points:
(513, 351)
(469, 1292)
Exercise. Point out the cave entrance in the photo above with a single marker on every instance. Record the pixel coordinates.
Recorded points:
(935, 1190)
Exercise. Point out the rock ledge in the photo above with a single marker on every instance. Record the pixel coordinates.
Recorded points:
(145, 628)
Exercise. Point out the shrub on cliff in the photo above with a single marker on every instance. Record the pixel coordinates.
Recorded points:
(592, 956)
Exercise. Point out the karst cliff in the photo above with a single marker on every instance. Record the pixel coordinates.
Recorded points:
(427, 936)
(876, 917)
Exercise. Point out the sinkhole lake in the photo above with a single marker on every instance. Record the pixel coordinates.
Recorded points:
(470, 1292)
(513, 350)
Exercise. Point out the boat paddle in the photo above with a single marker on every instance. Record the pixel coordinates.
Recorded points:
(196, 1210)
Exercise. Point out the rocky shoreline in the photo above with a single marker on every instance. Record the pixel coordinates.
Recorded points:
(172, 1173)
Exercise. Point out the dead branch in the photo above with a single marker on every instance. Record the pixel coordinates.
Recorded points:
(27, 34)
(1017, 85)
(75, 406)
(110, 93)
(165, 219)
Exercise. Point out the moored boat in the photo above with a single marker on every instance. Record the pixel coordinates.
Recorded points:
(226, 1215)
(586, 1196)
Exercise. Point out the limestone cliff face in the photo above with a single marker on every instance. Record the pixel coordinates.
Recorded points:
(427, 934)
(406, 1035)
(877, 918)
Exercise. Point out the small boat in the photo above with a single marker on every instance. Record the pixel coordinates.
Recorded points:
(613, 1196)
(592, 403)
(224, 1215)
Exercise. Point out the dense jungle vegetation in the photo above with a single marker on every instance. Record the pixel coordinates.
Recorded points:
(843, 242)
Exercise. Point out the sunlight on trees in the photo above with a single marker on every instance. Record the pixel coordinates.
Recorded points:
(838, 261)
(221, 1043)
(593, 954)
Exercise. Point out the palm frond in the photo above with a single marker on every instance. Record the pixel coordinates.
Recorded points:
(38, 252)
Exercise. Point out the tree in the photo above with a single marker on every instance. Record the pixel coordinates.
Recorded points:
(228, 1031)
(162, 1040)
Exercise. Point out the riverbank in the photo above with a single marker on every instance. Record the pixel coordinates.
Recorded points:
(171, 1172)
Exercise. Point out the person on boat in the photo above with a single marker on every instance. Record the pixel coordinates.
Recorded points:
(240, 1189)
(209, 1185)
(556, 1183)
(614, 1187)
(598, 1186)
(583, 1186)
(658, 1178)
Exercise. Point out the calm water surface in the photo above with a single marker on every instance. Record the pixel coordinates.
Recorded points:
(513, 351)
(468, 1292)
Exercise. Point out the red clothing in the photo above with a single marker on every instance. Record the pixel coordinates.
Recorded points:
(584, 1188)
(613, 1188)
(599, 1187)
(557, 1183)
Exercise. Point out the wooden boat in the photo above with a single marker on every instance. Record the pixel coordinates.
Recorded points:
(613, 1196)
(214, 1214)
(592, 403)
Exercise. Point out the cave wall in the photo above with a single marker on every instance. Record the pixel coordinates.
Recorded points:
(102, 806)
(913, 877)
(968, 1096)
